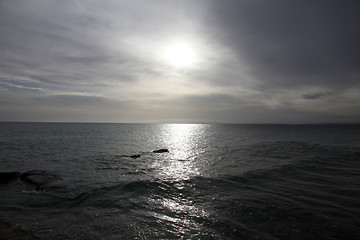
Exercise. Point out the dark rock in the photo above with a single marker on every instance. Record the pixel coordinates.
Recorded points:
(132, 156)
(42, 179)
(11, 231)
(6, 177)
(162, 150)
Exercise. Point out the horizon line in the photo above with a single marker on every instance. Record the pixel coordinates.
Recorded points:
(205, 123)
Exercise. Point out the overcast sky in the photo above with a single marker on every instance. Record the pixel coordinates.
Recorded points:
(253, 61)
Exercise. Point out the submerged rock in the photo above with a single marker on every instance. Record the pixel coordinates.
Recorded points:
(6, 177)
(162, 150)
(42, 179)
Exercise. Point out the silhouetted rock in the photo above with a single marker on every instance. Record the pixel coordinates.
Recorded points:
(42, 179)
(6, 177)
(132, 156)
(162, 150)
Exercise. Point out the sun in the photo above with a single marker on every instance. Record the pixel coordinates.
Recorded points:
(180, 55)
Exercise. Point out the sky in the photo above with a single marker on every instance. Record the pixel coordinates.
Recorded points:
(204, 61)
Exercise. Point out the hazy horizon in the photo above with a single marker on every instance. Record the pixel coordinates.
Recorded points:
(189, 123)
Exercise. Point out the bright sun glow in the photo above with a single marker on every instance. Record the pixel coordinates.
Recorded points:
(180, 55)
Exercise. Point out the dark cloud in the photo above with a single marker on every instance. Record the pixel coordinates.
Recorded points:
(317, 95)
(78, 108)
(293, 43)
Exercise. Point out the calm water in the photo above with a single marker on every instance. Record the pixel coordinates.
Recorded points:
(216, 182)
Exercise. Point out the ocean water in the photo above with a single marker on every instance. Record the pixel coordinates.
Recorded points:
(216, 181)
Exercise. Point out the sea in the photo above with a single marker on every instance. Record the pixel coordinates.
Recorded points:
(217, 181)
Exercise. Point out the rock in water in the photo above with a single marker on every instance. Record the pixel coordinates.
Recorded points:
(42, 179)
(132, 156)
(162, 150)
(6, 177)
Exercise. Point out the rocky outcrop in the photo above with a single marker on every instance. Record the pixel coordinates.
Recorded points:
(162, 150)
(6, 177)
(43, 180)
(132, 156)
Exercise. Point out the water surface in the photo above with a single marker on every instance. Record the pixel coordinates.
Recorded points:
(216, 182)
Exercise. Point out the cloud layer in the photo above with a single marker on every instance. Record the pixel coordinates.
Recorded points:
(258, 61)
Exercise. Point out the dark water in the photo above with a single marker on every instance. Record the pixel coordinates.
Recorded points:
(216, 182)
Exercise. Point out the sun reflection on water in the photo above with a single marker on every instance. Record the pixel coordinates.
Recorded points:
(177, 210)
(180, 216)
(183, 141)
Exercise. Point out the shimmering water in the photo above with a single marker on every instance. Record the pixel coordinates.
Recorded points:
(216, 182)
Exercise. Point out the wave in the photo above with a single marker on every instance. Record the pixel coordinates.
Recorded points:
(313, 199)
(293, 190)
